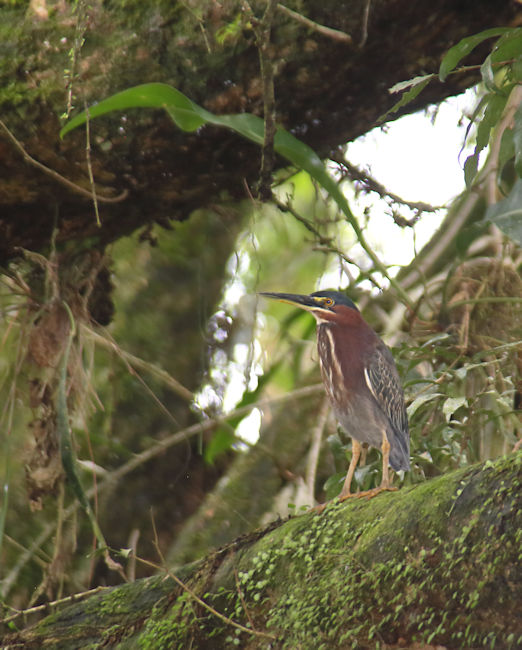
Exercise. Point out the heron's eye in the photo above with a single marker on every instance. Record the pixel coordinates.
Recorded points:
(328, 302)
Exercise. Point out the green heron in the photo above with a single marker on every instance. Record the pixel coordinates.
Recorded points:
(361, 380)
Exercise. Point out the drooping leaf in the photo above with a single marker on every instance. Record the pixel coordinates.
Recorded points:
(467, 236)
(507, 214)
(188, 116)
(464, 47)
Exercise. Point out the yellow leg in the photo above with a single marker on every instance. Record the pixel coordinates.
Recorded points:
(385, 448)
(356, 452)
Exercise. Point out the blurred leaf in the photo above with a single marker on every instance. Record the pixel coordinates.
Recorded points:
(506, 150)
(417, 86)
(230, 31)
(452, 404)
(464, 47)
(517, 140)
(508, 47)
(468, 235)
(507, 214)
(470, 168)
(419, 401)
(337, 448)
(333, 485)
(221, 441)
(488, 76)
(516, 69)
(494, 105)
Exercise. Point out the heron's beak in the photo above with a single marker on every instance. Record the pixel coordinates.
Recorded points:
(296, 299)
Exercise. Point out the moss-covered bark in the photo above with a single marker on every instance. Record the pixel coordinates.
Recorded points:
(327, 93)
(437, 564)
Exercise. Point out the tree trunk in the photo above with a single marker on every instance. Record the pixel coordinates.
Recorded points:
(436, 564)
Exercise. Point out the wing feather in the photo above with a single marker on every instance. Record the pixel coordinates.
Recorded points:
(384, 384)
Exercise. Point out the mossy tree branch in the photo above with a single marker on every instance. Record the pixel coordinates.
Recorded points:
(435, 563)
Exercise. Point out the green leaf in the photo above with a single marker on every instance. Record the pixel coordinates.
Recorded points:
(188, 116)
(508, 47)
(419, 401)
(488, 76)
(516, 69)
(507, 214)
(452, 404)
(470, 168)
(494, 107)
(517, 140)
(417, 86)
(464, 47)
(506, 149)
(221, 441)
(467, 236)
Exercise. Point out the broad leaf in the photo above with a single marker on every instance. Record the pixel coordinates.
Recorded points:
(508, 47)
(464, 47)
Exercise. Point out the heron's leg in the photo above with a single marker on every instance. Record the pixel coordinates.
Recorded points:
(364, 453)
(385, 448)
(385, 483)
(356, 452)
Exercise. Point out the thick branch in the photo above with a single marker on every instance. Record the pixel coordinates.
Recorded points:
(435, 563)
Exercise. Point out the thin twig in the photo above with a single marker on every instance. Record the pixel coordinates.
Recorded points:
(315, 448)
(58, 177)
(89, 163)
(356, 174)
(287, 207)
(131, 361)
(46, 607)
(364, 30)
(329, 32)
(262, 30)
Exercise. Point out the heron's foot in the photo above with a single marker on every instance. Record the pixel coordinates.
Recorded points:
(319, 508)
(348, 495)
(369, 494)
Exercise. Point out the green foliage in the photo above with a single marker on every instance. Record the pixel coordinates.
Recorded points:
(501, 73)
(455, 54)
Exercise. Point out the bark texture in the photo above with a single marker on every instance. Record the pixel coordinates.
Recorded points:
(434, 564)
